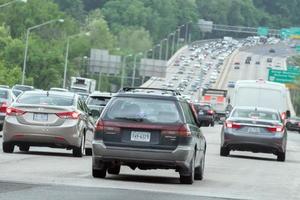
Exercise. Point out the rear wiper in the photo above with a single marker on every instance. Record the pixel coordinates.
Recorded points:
(131, 119)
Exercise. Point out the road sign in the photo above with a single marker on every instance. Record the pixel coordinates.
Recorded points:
(262, 31)
(298, 48)
(283, 76)
(293, 68)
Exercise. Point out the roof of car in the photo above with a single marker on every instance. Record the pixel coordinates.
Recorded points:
(102, 94)
(150, 92)
(257, 108)
(67, 94)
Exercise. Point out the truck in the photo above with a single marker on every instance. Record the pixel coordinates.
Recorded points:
(217, 98)
(82, 86)
(261, 93)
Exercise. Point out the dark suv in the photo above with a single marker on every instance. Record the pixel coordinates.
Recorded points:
(149, 128)
(206, 114)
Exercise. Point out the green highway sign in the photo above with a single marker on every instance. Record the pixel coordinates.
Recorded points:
(298, 48)
(262, 31)
(293, 68)
(283, 76)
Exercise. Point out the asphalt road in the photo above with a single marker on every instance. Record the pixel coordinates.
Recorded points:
(45, 173)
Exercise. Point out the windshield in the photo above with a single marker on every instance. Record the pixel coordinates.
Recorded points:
(147, 110)
(98, 101)
(23, 88)
(255, 114)
(3, 94)
(43, 99)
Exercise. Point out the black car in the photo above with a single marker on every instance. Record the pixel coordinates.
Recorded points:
(97, 101)
(206, 114)
(149, 128)
(272, 51)
(293, 124)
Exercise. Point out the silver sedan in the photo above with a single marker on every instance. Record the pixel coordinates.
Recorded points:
(50, 119)
(256, 130)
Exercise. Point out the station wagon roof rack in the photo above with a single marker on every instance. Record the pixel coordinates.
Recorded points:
(150, 90)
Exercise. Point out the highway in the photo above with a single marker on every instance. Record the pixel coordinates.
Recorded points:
(45, 173)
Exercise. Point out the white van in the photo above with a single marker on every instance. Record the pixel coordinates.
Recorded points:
(260, 93)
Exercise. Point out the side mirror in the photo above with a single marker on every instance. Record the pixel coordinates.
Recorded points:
(227, 114)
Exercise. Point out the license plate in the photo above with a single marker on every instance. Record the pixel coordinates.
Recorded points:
(253, 130)
(40, 117)
(140, 136)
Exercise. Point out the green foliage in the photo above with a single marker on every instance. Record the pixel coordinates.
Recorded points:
(121, 26)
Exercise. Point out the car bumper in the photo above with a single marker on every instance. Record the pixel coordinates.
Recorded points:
(52, 136)
(257, 143)
(180, 157)
(206, 118)
(293, 127)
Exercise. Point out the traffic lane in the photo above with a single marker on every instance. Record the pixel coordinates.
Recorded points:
(242, 175)
(281, 50)
(16, 191)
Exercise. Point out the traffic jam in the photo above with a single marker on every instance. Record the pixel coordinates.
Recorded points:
(154, 127)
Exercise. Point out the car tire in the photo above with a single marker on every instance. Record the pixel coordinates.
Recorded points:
(79, 151)
(224, 151)
(288, 126)
(88, 151)
(189, 179)
(8, 147)
(199, 171)
(24, 148)
(114, 170)
(281, 156)
(99, 173)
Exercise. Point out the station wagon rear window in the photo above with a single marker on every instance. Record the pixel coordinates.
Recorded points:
(43, 99)
(143, 110)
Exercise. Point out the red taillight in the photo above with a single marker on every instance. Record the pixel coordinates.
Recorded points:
(3, 107)
(230, 124)
(108, 128)
(275, 129)
(68, 115)
(210, 112)
(283, 116)
(182, 131)
(10, 111)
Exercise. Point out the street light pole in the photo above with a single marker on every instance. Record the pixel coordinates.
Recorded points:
(173, 43)
(154, 50)
(67, 56)
(123, 69)
(167, 46)
(160, 48)
(134, 68)
(66, 63)
(11, 2)
(186, 32)
(27, 41)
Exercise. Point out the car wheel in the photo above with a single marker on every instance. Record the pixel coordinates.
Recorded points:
(88, 151)
(199, 171)
(99, 173)
(224, 151)
(24, 148)
(281, 156)
(114, 170)
(189, 179)
(7, 147)
(79, 151)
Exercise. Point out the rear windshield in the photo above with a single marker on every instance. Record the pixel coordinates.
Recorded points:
(23, 88)
(141, 109)
(43, 99)
(98, 101)
(3, 94)
(202, 107)
(255, 114)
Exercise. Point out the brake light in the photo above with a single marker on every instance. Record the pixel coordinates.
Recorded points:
(108, 128)
(275, 129)
(3, 107)
(182, 131)
(210, 112)
(10, 111)
(68, 115)
(230, 124)
(283, 116)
